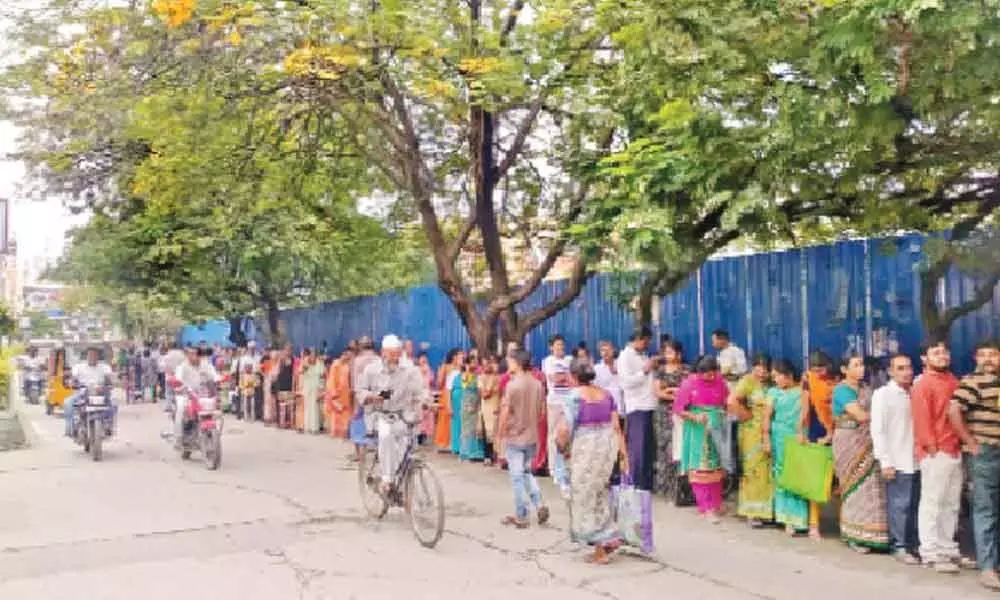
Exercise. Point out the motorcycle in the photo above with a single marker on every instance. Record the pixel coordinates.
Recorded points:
(93, 421)
(33, 387)
(201, 428)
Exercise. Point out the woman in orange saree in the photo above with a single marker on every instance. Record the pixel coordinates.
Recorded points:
(339, 407)
(442, 429)
(267, 375)
(817, 397)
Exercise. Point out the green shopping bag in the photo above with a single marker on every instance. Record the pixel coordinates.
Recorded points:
(807, 470)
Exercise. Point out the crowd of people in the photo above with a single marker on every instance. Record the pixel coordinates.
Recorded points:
(904, 448)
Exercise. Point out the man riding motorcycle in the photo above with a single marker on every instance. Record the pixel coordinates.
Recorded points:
(198, 376)
(389, 385)
(89, 375)
(174, 358)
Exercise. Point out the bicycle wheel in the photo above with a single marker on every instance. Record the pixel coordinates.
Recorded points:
(368, 483)
(424, 504)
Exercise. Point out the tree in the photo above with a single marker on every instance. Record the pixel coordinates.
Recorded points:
(209, 197)
(782, 122)
(476, 111)
(477, 114)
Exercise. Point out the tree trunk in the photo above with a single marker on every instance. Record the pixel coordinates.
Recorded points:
(510, 330)
(481, 327)
(644, 304)
(274, 331)
(236, 334)
(661, 282)
(937, 320)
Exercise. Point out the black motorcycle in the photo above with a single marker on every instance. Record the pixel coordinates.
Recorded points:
(93, 420)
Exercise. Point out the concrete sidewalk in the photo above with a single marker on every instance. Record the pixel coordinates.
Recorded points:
(282, 519)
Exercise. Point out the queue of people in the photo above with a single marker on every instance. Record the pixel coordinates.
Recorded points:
(652, 424)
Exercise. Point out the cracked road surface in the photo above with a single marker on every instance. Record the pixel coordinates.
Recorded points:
(282, 520)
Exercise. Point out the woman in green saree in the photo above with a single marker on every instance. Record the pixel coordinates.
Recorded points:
(749, 402)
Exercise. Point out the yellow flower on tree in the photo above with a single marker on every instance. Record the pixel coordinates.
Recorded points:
(174, 12)
(324, 62)
(479, 65)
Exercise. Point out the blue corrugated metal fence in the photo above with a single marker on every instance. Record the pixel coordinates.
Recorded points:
(852, 295)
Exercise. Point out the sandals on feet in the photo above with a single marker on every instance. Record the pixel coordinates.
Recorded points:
(518, 523)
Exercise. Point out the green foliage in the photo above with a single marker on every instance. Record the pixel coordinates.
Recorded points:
(7, 323)
(8, 356)
(788, 122)
(225, 145)
(213, 193)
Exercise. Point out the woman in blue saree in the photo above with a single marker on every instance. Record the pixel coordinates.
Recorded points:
(786, 418)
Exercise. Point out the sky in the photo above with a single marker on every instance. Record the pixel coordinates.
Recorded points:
(38, 226)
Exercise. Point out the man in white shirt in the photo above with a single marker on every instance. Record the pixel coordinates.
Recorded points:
(197, 376)
(556, 369)
(635, 371)
(173, 359)
(892, 445)
(732, 359)
(389, 386)
(607, 374)
(33, 367)
(88, 375)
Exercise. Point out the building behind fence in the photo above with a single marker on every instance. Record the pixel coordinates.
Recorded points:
(859, 295)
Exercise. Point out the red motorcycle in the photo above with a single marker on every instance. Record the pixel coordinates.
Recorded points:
(201, 428)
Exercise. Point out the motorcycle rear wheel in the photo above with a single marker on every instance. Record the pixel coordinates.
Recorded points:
(211, 449)
(97, 439)
(85, 435)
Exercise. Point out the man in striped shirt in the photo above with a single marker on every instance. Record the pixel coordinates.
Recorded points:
(975, 413)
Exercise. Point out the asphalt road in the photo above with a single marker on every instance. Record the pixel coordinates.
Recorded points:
(282, 520)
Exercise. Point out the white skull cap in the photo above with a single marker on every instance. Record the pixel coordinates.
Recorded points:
(391, 342)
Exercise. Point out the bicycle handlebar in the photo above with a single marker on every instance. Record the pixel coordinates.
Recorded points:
(397, 413)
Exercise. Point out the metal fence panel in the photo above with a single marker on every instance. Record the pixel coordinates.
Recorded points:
(836, 285)
(679, 317)
(776, 301)
(895, 302)
(724, 299)
(846, 296)
(605, 317)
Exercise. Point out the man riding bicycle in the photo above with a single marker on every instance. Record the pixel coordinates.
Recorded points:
(393, 394)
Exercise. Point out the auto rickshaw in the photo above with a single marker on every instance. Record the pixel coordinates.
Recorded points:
(59, 376)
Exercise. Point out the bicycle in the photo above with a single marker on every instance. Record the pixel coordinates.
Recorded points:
(414, 487)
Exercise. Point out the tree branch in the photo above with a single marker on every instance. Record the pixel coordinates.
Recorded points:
(559, 246)
(463, 236)
(521, 133)
(983, 295)
(510, 22)
(579, 277)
